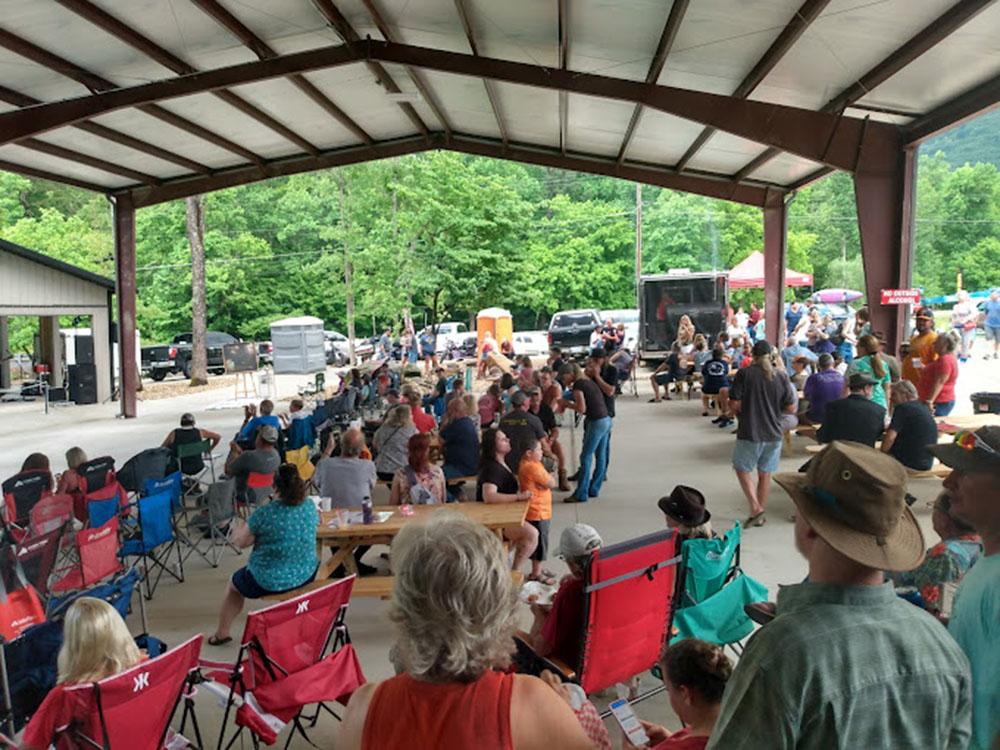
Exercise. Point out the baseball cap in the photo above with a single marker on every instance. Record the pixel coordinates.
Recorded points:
(972, 452)
(761, 348)
(854, 498)
(860, 380)
(268, 433)
(579, 539)
(518, 398)
(926, 313)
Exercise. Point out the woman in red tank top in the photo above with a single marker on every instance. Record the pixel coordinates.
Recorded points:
(454, 607)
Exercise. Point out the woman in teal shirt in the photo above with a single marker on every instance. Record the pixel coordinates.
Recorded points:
(283, 536)
(870, 362)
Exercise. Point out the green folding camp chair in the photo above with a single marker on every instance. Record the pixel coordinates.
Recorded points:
(714, 591)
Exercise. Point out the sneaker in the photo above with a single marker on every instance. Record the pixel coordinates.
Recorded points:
(718, 419)
(573, 499)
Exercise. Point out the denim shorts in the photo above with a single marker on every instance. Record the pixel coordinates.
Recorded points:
(993, 333)
(748, 455)
(246, 584)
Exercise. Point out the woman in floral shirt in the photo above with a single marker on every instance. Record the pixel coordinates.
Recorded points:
(947, 561)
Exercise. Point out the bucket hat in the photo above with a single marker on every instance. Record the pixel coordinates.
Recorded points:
(972, 452)
(853, 497)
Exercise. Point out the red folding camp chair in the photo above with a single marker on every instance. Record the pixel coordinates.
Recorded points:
(50, 513)
(259, 489)
(95, 558)
(37, 555)
(628, 592)
(132, 710)
(293, 654)
(21, 493)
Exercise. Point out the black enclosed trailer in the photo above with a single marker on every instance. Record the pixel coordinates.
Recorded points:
(664, 298)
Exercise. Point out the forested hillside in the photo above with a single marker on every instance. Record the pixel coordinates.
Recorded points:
(975, 141)
(465, 232)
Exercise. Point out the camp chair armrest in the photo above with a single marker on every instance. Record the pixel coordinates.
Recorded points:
(562, 667)
(226, 665)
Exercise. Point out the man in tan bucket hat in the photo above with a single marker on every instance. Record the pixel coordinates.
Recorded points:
(846, 663)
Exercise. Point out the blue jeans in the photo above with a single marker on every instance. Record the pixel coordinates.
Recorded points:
(596, 433)
(943, 408)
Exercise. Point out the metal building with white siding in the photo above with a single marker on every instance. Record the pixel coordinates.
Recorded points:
(36, 285)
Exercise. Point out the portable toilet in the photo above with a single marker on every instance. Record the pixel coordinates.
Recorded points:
(498, 322)
(297, 345)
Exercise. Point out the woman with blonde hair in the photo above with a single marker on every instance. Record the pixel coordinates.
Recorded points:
(869, 361)
(96, 644)
(69, 480)
(685, 331)
(454, 608)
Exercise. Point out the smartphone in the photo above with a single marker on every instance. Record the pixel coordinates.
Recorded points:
(629, 722)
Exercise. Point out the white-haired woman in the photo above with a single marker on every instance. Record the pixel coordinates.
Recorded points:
(96, 644)
(455, 612)
(391, 441)
(963, 319)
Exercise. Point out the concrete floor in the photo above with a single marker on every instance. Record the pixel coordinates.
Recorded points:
(654, 447)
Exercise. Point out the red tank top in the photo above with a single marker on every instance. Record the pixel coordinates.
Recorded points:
(408, 713)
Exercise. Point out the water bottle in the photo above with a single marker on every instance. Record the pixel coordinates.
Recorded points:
(367, 516)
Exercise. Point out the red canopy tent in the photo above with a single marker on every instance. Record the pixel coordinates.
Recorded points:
(749, 274)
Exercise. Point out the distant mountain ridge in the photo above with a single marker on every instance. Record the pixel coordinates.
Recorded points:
(976, 141)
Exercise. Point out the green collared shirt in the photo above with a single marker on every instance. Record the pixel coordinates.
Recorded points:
(847, 667)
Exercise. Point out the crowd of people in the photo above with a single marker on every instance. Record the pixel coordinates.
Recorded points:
(886, 642)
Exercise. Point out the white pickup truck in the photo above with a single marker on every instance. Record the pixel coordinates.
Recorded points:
(456, 333)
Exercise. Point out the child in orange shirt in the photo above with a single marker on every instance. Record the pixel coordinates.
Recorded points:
(532, 477)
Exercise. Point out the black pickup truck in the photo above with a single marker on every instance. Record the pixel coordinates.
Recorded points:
(165, 359)
(570, 330)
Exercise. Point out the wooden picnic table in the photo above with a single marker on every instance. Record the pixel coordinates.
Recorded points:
(974, 422)
(345, 539)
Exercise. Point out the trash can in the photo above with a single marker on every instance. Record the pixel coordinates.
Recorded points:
(986, 402)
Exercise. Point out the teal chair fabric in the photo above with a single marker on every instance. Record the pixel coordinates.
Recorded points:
(715, 591)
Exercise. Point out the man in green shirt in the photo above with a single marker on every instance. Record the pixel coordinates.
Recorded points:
(846, 663)
(974, 486)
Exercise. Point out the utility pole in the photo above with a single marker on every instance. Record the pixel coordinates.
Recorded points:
(638, 241)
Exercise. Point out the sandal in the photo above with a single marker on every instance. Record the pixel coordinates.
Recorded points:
(214, 640)
(755, 520)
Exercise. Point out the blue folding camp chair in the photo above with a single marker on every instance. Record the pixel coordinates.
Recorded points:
(713, 591)
(151, 540)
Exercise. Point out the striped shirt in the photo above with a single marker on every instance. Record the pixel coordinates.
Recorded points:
(847, 667)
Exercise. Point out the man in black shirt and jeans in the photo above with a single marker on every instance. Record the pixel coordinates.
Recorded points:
(607, 381)
(521, 427)
(588, 399)
(911, 430)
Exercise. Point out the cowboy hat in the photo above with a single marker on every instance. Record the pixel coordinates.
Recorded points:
(685, 505)
(854, 498)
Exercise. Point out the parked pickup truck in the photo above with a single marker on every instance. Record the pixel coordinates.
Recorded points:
(165, 359)
(455, 333)
(570, 330)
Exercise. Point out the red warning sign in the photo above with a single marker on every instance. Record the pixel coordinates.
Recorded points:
(900, 296)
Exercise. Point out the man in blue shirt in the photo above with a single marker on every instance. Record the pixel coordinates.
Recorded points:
(253, 421)
(794, 349)
(974, 487)
(991, 322)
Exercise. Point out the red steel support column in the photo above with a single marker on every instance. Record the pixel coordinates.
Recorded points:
(775, 257)
(884, 190)
(128, 373)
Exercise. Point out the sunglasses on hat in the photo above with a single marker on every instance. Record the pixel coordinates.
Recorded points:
(970, 441)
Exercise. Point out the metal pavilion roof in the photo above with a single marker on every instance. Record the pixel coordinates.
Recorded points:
(731, 98)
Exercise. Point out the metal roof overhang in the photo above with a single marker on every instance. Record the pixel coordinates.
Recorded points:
(724, 98)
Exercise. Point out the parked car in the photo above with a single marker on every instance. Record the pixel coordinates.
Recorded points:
(531, 343)
(570, 330)
(337, 348)
(164, 359)
(631, 320)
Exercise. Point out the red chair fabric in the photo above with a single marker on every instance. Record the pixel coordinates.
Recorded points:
(282, 668)
(20, 606)
(37, 556)
(21, 493)
(629, 589)
(106, 712)
(50, 513)
(97, 559)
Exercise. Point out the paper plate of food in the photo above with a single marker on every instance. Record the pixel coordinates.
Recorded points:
(536, 592)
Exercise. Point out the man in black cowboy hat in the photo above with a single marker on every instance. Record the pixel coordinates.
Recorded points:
(856, 418)
(974, 486)
(846, 663)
